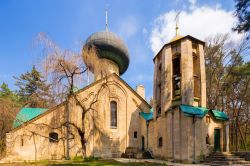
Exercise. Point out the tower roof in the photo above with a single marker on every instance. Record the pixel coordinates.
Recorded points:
(110, 46)
(177, 38)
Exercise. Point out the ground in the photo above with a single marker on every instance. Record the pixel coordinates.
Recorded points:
(85, 163)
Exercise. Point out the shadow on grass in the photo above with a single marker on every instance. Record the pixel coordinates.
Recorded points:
(107, 163)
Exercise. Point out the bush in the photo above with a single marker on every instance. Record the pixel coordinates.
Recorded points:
(78, 158)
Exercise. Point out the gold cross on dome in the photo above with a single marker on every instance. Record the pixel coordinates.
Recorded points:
(177, 22)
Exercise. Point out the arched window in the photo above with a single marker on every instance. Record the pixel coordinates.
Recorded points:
(53, 137)
(160, 143)
(113, 114)
(207, 140)
(21, 141)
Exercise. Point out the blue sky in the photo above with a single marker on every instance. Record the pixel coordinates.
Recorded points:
(143, 25)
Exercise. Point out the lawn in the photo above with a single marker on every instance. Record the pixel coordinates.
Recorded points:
(107, 163)
(85, 163)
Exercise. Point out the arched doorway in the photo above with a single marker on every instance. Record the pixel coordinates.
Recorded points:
(217, 140)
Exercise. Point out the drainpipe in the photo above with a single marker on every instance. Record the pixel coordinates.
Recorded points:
(147, 124)
(172, 112)
(67, 130)
(194, 162)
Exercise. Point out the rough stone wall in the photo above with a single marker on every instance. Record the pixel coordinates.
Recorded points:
(167, 79)
(31, 141)
(102, 140)
(215, 124)
(203, 96)
(184, 138)
(187, 83)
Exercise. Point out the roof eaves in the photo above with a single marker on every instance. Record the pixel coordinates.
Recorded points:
(187, 36)
(39, 116)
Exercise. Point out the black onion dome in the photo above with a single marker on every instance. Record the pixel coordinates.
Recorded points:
(110, 46)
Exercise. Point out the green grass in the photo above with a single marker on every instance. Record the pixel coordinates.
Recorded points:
(106, 163)
(83, 163)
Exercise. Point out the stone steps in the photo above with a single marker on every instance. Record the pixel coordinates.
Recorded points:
(218, 159)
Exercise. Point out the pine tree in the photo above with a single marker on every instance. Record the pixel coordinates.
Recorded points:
(7, 94)
(243, 14)
(4, 90)
(33, 90)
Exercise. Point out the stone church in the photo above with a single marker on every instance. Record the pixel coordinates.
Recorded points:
(176, 125)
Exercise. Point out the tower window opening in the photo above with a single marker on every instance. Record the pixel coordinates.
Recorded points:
(113, 114)
(158, 91)
(195, 48)
(158, 113)
(176, 77)
(176, 48)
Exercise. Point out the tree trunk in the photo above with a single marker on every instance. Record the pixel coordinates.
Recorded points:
(241, 135)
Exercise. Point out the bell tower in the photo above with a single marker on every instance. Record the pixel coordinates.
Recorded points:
(179, 74)
(179, 81)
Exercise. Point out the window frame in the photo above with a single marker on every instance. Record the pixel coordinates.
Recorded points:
(52, 139)
(111, 115)
(135, 135)
(160, 142)
(208, 119)
(158, 111)
(176, 76)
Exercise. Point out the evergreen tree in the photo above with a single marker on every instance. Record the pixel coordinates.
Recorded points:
(33, 90)
(243, 14)
(242, 70)
(4, 90)
(7, 94)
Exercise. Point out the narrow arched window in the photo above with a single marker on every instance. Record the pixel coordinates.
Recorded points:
(21, 141)
(113, 114)
(160, 143)
(207, 140)
(53, 137)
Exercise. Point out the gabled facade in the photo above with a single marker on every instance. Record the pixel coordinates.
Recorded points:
(111, 127)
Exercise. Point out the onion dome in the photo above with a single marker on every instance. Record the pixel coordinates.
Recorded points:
(110, 46)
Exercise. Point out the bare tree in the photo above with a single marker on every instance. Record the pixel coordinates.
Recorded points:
(65, 70)
(8, 111)
(225, 90)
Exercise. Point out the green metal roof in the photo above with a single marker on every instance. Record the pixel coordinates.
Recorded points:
(219, 115)
(147, 116)
(200, 112)
(194, 111)
(26, 114)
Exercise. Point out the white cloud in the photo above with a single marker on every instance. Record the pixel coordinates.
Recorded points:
(199, 22)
